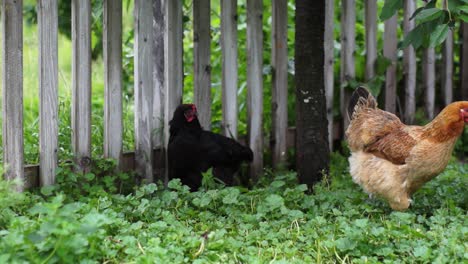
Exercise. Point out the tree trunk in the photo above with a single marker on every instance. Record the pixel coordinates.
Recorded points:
(371, 37)
(312, 151)
(464, 62)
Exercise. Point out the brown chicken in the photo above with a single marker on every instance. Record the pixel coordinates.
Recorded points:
(393, 160)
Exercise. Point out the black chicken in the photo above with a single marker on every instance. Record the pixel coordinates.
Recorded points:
(192, 150)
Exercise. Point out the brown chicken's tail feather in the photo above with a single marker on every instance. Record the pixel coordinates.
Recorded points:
(361, 97)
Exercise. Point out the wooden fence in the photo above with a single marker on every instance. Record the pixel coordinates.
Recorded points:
(159, 78)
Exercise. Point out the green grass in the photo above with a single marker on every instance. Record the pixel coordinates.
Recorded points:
(97, 217)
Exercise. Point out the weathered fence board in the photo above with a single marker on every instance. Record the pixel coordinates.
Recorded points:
(229, 67)
(390, 49)
(112, 42)
(371, 37)
(279, 61)
(347, 69)
(47, 14)
(81, 83)
(12, 86)
(329, 61)
(201, 59)
(144, 89)
(173, 71)
(255, 84)
(429, 81)
(158, 72)
(409, 65)
(447, 67)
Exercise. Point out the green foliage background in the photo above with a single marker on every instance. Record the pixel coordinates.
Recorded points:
(31, 105)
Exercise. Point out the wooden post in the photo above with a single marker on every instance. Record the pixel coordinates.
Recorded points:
(159, 82)
(329, 75)
(173, 71)
(12, 86)
(329, 48)
(48, 89)
(371, 37)
(409, 65)
(81, 83)
(464, 62)
(347, 71)
(112, 40)
(229, 78)
(447, 83)
(201, 59)
(429, 81)
(255, 84)
(390, 51)
(447, 67)
(144, 89)
(279, 60)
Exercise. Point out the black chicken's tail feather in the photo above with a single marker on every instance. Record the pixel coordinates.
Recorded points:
(361, 97)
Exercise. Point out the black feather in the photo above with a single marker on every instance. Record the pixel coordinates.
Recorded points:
(192, 150)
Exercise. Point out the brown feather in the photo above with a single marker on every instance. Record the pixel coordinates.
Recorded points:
(393, 160)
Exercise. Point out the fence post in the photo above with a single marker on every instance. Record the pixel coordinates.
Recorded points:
(12, 84)
(173, 71)
(201, 60)
(371, 37)
(429, 81)
(144, 89)
(47, 14)
(279, 61)
(255, 84)
(447, 83)
(390, 49)
(329, 61)
(230, 70)
(112, 42)
(347, 69)
(159, 82)
(409, 65)
(81, 83)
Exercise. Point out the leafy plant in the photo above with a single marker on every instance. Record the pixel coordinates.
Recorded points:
(432, 21)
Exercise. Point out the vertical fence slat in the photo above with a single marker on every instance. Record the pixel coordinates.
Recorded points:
(81, 82)
(409, 65)
(48, 89)
(230, 71)
(447, 82)
(143, 89)
(447, 70)
(255, 83)
(159, 80)
(429, 81)
(12, 82)
(329, 61)
(371, 37)
(347, 72)
(390, 49)
(112, 40)
(173, 70)
(279, 60)
(201, 60)
(464, 62)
